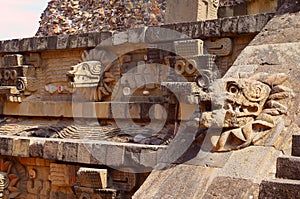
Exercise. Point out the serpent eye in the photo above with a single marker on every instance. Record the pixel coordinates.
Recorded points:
(233, 88)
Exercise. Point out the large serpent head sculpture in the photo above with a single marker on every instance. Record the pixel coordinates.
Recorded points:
(92, 79)
(250, 108)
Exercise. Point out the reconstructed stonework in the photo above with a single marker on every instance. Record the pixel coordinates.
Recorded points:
(186, 110)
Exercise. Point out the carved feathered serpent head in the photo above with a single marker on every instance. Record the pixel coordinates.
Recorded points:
(249, 108)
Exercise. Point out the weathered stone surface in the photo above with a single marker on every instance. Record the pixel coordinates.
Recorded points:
(6, 145)
(296, 145)
(279, 188)
(228, 187)
(281, 29)
(179, 181)
(270, 54)
(193, 10)
(244, 163)
(288, 168)
(36, 149)
(21, 147)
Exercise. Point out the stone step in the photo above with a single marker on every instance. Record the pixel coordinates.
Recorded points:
(279, 188)
(288, 167)
(296, 145)
(85, 192)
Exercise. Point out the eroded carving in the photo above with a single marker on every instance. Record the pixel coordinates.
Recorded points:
(17, 80)
(92, 79)
(250, 110)
(220, 47)
(62, 175)
(8, 181)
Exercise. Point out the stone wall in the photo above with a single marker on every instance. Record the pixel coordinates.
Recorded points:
(73, 17)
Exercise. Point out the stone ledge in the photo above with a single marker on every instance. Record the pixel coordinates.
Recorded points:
(296, 145)
(101, 110)
(223, 27)
(288, 168)
(281, 188)
(82, 151)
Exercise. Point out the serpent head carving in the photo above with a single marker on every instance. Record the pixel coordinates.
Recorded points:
(249, 108)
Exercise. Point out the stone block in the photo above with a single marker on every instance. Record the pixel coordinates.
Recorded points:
(132, 157)
(262, 20)
(288, 168)
(6, 144)
(62, 175)
(62, 41)
(183, 28)
(148, 158)
(14, 45)
(36, 149)
(98, 153)
(123, 180)
(40, 43)
(21, 147)
(279, 188)
(137, 35)
(26, 44)
(246, 24)
(189, 47)
(296, 145)
(120, 38)
(82, 41)
(106, 36)
(190, 10)
(52, 43)
(88, 110)
(12, 60)
(212, 28)
(92, 178)
(102, 110)
(94, 39)
(114, 155)
(197, 29)
(226, 187)
(119, 110)
(50, 149)
(69, 150)
(229, 26)
(159, 34)
(72, 41)
(243, 163)
(84, 153)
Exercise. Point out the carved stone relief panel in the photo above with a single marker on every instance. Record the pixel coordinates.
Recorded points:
(92, 79)
(220, 47)
(12, 179)
(17, 80)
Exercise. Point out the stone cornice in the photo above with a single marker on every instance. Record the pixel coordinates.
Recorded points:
(223, 27)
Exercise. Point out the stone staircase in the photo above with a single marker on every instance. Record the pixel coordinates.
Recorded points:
(287, 181)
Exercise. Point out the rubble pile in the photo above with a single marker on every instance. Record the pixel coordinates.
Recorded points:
(75, 16)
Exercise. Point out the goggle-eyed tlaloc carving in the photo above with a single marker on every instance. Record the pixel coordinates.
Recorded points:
(92, 79)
